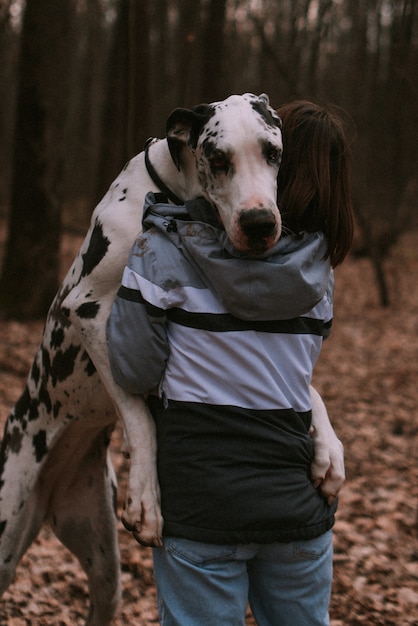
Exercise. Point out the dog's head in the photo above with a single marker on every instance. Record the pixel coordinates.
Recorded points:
(237, 146)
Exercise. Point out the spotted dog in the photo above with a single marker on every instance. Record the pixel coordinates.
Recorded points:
(54, 462)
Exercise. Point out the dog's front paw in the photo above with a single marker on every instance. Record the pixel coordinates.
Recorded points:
(145, 523)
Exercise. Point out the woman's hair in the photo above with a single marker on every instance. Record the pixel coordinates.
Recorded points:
(314, 191)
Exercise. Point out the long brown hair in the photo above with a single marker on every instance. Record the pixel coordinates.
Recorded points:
(314, 190)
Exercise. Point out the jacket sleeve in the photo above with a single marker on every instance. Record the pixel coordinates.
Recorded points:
(137, 342)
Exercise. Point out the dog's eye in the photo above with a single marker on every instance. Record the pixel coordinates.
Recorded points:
(219, 163)
(273, 155)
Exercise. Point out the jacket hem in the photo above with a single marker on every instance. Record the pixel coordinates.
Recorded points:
(209, 535)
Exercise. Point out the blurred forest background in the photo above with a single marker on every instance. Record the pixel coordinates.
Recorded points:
(83, 83)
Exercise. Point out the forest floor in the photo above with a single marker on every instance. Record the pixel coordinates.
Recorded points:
(367, 374)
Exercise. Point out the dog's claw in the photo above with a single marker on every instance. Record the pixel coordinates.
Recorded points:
(146, 532)
(149, 542)
(127, 526)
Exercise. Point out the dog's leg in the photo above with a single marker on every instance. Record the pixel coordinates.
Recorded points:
(86, 307)
(327, 469)
(82, 513)
(142, 512)
(18, 532)
(23, 450)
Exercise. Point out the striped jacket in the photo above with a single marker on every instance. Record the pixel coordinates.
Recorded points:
(225, 346)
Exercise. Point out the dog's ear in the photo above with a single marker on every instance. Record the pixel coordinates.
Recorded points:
(264, 100)
(183, 128)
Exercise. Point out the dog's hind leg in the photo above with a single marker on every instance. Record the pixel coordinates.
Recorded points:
(22, 499)
(20, 531)
(82, 515)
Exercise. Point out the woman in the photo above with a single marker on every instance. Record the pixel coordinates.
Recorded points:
(227, 373)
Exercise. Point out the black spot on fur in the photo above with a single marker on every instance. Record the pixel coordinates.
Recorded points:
(26, 409)
(15, 440)
(35, 372)
(124, 191)
(203, 113)
(33, 410)
(3, 525)
(219, 161)
(46, 365)
(63, 364)
(56, 408)
(90, 368)
(97, 249)
(39, 443)
(3, 456)
(262, 110)
(45, 398)
(208, 147)
(88, 310)
(57, 337)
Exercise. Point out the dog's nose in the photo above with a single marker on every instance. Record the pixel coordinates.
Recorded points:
(257, 223)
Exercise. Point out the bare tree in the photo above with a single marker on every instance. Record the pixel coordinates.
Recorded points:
(31, 267)
(127, 109)
(84, 119)
(164, 75)
(8, 56)
(361, 56)
(291, 35)
(213, 64)
(188, 34)
(385, 107)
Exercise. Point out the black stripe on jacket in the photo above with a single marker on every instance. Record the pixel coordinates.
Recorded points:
(224, 322)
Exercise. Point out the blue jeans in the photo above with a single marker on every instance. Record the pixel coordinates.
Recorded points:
(286, 584)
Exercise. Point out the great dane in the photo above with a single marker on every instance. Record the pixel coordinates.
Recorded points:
(54, 460)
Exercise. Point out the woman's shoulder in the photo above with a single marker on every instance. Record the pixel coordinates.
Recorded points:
(160, 261)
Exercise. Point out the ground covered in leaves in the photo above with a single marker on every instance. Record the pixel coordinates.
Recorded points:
(368, 375)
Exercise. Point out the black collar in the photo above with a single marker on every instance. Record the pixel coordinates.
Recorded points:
(157, 180)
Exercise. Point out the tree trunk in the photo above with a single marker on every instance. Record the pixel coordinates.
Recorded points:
(126, 117)
(212, 73)
(187, 51)
(31, 268)
(9, 46)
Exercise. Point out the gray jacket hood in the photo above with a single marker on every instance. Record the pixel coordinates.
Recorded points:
(283, 284)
